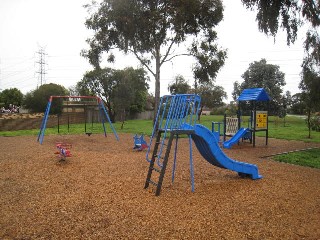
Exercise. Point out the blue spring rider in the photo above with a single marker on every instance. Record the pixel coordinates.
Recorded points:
(139, 142)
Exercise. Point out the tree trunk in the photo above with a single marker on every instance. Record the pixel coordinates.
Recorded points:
(309, 125)
(123, 118)
(157, 86)
(112, 114)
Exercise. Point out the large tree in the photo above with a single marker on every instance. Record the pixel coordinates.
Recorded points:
(310, 86)
(37, 100)
(260, 74)
(11, 96)
(152, 30)
(211, 96)
(124, 91)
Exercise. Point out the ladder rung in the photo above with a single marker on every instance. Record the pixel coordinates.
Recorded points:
(152, 182)
(165, 144)
(156, 169)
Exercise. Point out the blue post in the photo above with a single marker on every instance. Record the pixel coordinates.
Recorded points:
(44, 122)
(191, 165)
(175, 159)
(107, 116)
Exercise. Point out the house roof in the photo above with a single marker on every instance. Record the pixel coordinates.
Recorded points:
(254, 94)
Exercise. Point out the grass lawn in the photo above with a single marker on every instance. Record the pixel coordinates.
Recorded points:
(308, 158)
(294, 128)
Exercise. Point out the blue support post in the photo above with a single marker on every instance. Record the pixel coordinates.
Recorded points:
(107, 116)
(191, 165)
(44, 122)
(175, 159)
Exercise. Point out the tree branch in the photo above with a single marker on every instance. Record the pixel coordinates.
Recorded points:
(167, 53)
(143, 62)
(174, 56)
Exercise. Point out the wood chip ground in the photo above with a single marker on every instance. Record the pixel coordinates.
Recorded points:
(98, 193)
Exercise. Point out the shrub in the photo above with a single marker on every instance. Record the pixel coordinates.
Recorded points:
(315, 123)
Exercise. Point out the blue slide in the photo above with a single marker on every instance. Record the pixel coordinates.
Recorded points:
(235, 138)
(209, 148)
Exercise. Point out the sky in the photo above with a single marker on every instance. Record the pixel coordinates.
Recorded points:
(57, 27)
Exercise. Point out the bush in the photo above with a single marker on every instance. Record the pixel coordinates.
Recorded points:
(315, 123)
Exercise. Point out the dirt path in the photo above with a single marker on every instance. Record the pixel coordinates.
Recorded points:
(98, 193)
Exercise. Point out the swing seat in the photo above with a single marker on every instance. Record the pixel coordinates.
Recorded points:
(89, 133)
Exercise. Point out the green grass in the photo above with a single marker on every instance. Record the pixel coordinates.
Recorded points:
(308, 158)
(294, 129)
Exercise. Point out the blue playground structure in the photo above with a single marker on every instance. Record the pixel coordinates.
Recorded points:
(177, 114)
(139, 142)
(102, 110)
(258, 119)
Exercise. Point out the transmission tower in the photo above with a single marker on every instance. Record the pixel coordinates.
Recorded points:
(42, 66)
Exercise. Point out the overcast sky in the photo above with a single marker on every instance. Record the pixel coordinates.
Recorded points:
(58, 27)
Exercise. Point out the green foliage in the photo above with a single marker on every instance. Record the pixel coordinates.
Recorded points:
(315, 123)
(124, 91)
(275, 14)
(308, 158)
(37, 100)
(179, 86)
(153, 30)
(290, 15)
(310, 86)
(11, 96)
(297, 105)
(131, 90)
(211, 96)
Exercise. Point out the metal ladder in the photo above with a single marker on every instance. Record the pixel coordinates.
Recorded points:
(160, 168)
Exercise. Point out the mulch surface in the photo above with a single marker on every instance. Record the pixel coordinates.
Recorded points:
(98, 193)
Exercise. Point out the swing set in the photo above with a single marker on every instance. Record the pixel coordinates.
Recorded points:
(98, 103)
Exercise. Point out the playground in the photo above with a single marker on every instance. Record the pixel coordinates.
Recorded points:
(98, 193)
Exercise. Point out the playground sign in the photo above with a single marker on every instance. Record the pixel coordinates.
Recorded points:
(261, 119)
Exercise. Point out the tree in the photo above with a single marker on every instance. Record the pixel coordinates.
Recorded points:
(131, 91)
(263, 75)
(298, 106)
(310, 86)
(37, 100)
(124, 91)
(151, 30)
(289, 15)
(211, 96)
(11, 96)
(179, 86)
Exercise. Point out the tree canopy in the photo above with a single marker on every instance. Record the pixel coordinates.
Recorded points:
(152, 30)
(310, 86)
(179, 85)
(124, 91)
(211, 96)
(37, 100)
(289, 15)
(11, 96)
(260, 74)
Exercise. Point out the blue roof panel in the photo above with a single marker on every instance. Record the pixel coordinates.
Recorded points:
(254, 94)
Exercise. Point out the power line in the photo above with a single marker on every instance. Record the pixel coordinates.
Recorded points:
(42, 65)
